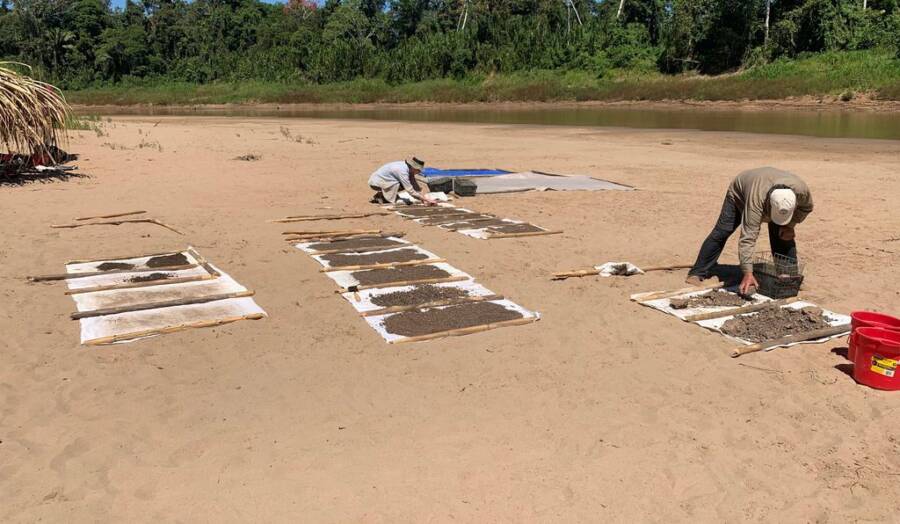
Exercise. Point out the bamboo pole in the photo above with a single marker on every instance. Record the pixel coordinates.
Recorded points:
(385, 265)
(399, 283)
(127, 257)
(118, 223)
(160, 305)
(357, 249)
(68, 276)
(306, 218)
(339, 232)
(588, 272)
(655, 295)
(792, 339)
(436, 303)
(306, 240)
(170, 329)
(115, 215)
(149, 283)
(528, 234)
(331, 240)
(203, 262)
(740, 310)
(466, 331)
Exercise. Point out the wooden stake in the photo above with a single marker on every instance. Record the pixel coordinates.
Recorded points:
(739, 310)
(170, 329)
(305, 218)
(437, 303)
(656, 295)
(400, 283)
(149, 283)
(466, 331)
(117, 223)
(159, 305)
(338, 233)
(588, 272)
(116, 215)
(382, 266)
(791, 339)
(306, 240)
(127, 257)
(528, 234)
(68, 276)
(203, 263)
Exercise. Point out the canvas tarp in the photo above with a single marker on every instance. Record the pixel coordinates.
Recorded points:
(535, 180)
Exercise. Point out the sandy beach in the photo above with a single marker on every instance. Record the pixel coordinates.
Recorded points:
(604, 410)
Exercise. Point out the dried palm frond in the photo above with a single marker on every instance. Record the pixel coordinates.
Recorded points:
(32, 113)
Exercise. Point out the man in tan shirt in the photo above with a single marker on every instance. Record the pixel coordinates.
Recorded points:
(765, 194)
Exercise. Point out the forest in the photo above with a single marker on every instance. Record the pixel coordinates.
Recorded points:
(80, 44)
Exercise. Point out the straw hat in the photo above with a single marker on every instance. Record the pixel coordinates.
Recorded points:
(782, 203)
(415, 163)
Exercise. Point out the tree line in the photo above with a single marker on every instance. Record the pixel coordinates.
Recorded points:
(79, 43)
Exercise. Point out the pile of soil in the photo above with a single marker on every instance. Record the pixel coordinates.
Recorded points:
(178, 259)
(414, 323)
(775, 322)
(151, 277)
(357, 243)
(422, 294)
(711, 299)
(109, 266)
(517, 228)
(398, 274)
(400, 255)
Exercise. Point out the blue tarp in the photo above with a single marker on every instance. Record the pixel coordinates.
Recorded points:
(435, 172)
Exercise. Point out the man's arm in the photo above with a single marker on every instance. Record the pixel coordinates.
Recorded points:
(804, 208)
(752, 221)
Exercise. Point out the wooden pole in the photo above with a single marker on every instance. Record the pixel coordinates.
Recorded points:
(386, 265)
(466, 331)
(115, 215)
(159, 305)
(528, 234)
(68, 276)
(333, 233)
(436, 303)
(306, 218)
(149, 283)
(306, 240)
(170, 329)
(588, 272)
(740, 310)
(452, 219)
(113, 259)
(118, 223)
(791, 339)
(656, 295)
(357, 249)
(203, 263)
(399, 283)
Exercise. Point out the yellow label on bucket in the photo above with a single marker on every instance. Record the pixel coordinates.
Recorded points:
(884, 366)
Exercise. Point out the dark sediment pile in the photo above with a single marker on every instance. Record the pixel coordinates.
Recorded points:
(414, 323)
(480, 224)
(429, 211)
(109, 266)
(422, 294)
(775, 322)
(399, 255)
(445, 219)
(516, 228)
(357, 243)
(177, 259)
(151, 277)
(711, 299)
(399, 274)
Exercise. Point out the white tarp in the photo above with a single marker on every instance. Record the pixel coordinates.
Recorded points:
(346, 280)
(377, 322)
(321, 259)
(306, 246)
(538, 181)
(665, 304)
(362, 300)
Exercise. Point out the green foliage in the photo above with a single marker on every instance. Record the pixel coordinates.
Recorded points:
(84, 43)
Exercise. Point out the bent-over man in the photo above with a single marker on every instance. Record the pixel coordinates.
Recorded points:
(389, 179)
(765, 194)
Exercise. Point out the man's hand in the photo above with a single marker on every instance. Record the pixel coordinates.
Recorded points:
(428, 200)
(748, 284)
(786, 233)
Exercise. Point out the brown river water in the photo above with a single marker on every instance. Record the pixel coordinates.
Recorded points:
(829, 124)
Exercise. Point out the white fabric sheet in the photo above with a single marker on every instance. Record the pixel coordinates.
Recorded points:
(535, 180)
(664, 304)
(377, 322)
(345, 279)
(364, 302)
(321, 258)
(305, 246)
(618, 269)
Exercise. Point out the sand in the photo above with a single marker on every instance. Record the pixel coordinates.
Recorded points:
(602, 411)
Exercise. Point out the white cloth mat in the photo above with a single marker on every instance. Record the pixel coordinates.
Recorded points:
(345, 279)
(364, 302)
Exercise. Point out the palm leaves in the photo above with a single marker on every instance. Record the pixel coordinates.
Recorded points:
(32, 113)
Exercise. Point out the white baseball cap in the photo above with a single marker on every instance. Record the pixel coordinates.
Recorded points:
(782, 203)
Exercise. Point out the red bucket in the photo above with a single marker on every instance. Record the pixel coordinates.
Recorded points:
(877, 359)
(859, 319)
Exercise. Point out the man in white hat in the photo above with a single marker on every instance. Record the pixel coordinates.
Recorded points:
(759, 195)
(388, 180)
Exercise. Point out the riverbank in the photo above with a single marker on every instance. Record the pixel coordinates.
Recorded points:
(846, 79)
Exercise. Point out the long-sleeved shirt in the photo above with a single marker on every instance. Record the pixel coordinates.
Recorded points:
(750, 191)
(390, 175)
